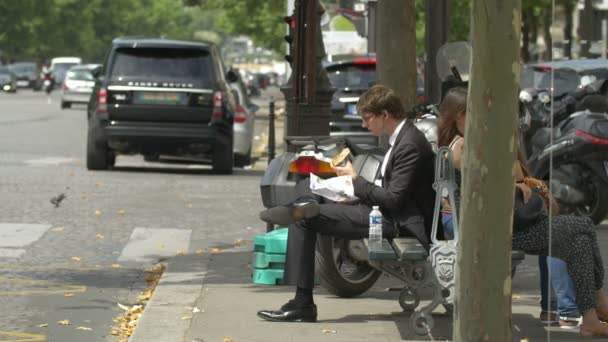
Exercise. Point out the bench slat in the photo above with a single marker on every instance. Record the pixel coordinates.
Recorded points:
(409, 249)
(385, 253)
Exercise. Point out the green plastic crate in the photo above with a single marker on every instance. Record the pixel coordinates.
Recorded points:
(268, 260)
(268, 276)
(274, 242)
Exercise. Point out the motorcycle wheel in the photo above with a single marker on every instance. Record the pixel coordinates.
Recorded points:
(595, 206)
(339, 272)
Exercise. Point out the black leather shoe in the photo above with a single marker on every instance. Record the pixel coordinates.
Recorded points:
(291, 312)
(301, 209)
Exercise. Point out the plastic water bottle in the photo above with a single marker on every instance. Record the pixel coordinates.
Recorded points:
(375, 229)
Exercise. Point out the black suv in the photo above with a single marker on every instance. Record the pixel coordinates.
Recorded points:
(162, 97)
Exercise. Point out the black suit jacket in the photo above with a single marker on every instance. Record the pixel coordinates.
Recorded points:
(406, 197)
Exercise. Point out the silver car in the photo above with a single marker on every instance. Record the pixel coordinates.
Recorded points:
(244, 122)
(78, 84)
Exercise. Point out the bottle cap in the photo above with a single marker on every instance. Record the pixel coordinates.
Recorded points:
(376, 207)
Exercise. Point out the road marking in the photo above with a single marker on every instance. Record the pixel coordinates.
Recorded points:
(11, 253)
(20, 234)
(56, 287)
(28, 337)
(151, 244)
(50, 161)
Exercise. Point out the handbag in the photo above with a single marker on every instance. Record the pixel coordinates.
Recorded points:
(527, 214)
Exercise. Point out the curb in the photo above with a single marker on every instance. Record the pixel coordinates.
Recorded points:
(168, 314)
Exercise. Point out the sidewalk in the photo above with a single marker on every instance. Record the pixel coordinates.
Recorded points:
(219, 285)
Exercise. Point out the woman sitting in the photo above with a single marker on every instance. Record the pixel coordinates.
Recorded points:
(573, 238)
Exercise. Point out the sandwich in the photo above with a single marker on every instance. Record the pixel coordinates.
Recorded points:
(341, 158)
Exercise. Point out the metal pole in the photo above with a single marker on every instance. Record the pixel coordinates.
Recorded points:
(372, 8)
(437, 23)
(271, 135)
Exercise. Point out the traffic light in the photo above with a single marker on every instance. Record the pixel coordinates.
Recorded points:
(290, 37)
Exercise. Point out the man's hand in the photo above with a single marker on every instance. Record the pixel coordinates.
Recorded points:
(346, 170)
(525, 190)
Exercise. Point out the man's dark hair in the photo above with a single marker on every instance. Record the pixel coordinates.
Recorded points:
(379, 98)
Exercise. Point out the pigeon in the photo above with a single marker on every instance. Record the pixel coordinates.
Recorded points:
(57, 199)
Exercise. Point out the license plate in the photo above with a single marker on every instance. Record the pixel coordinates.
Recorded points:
(23, 83)
(161, 98)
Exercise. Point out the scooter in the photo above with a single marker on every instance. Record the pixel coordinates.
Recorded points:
(47, 83)
(578, 153)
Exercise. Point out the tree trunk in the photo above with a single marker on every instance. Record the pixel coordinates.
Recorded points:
(534, 35)
(525, 36)
(483, 301)
(586, 27)
(568, 26)
(548, 55)
(396, 48)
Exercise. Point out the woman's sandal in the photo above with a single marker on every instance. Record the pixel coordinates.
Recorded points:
(600, 330)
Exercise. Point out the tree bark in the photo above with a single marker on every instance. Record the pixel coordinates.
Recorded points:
(396, 48)
(568, 27)
(483, 300)
(548, 55)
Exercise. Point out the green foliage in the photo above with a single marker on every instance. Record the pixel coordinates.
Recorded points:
(460, 17)
(42, 29)
(341, 23)
(260, 20)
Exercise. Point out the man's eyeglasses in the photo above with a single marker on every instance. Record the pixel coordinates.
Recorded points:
(367, 117)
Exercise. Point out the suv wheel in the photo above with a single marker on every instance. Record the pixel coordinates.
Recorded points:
(223, 158)
(98, 157)
(241, 160)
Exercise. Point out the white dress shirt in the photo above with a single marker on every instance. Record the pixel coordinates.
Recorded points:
(391, 142)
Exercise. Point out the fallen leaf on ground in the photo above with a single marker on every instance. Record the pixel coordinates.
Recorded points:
(121, 212)
(185, 318)
(98, 184)
(238, 242)
(57, 229)
(122, 306)
(215, 250)
(115, 266)
(161, 245)
(75, 258)
(152, 277)
(180, 252)
(115, 332)
(43, 325)
(226, 339)
(196, 310)
(328, 331)
(83, 328)
(199, 251)
(98, 212)
(68, 295)
(64, 322)
(516, 296)
(524, 340)
(99, 236)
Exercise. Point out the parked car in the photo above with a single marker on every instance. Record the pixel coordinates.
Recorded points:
(8, 80)
(78, 84)
(161, 97)
(61, 65)
(351, 76)
(244, 123)
(28, 75)
(539, 75)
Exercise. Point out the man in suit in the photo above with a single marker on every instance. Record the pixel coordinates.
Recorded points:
(404, 193)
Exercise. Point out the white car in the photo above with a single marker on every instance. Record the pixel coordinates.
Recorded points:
(78, 84)
(60, 65)
(244, 123)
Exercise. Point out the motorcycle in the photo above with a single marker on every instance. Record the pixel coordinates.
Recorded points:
(48, 83)
(579, 149)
